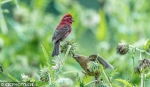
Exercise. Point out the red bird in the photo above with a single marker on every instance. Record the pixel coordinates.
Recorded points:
(61, 32)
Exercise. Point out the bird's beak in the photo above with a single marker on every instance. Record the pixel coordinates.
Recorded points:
(75, 56)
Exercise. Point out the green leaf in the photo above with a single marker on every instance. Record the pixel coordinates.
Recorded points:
(45, 54)
(126, 83)
(48, 63)
(4, 1)
(13, 78)
(102, 27)
(41, 84)
(114, 72)
(146, 45)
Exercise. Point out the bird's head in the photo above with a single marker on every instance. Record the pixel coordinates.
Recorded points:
(80, 58)
(67, 18)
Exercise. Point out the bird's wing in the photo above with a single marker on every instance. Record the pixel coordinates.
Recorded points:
(101, 61)
(60, 34)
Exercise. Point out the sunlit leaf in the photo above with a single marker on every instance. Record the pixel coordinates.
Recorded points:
(4, 1)
(45, 53)
(126, 83)
(13, 78)
(146, 45)
(102, 27)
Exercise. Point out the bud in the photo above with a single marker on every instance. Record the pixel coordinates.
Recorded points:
(93, 67)
(137, 70)
(143, 65)
(65, 82)
(73, 49)
(122, 48)
(44, 74)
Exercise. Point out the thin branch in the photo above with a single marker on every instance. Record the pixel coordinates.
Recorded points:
(142, 51)
(107, 78)
(91, 82)
(142, 79)
(62, 60)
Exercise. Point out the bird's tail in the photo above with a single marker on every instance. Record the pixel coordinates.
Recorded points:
(56, 49)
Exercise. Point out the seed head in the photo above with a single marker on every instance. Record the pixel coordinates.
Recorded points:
(122, 48)
(74, 47)
(44, 75)
(93, 67)
(143, 65)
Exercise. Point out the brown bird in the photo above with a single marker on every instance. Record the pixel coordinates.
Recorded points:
(85, 62)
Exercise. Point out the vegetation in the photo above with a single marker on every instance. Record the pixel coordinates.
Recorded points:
(118, 31)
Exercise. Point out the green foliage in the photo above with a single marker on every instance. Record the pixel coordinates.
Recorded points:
(99, 25)
(46, 73)
(13, 78)
(4, 1)
(113, 73)
(146, 45)
(125, 82)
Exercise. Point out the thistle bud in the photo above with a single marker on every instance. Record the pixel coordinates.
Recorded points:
(93, 66)
(122, 48)
(73, 49)
(143, 65)
(44, 74)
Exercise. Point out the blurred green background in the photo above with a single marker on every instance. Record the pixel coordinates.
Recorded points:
(98, 27)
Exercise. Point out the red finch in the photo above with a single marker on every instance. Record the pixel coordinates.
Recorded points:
(61, 32)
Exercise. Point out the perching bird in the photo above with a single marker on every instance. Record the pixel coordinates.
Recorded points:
(61, 32)
(85, 61)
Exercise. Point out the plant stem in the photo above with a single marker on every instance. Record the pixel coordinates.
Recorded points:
(142, 79)
(106, 78)
(142, 51)
(48, 63)
(62, 60)
(143, 73)
(90, 83)
(97, 80)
